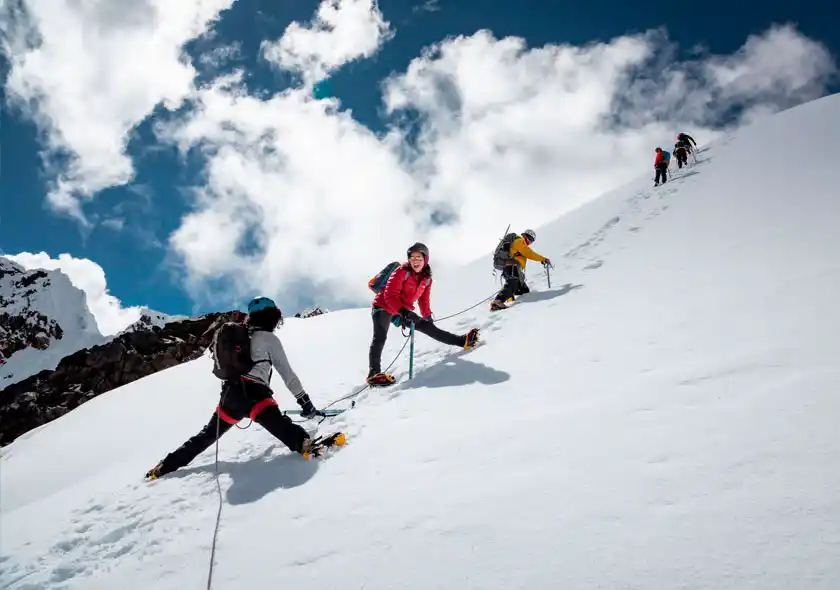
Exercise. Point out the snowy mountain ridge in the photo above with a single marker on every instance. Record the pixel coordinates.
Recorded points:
(664, 416)
(43, 318)
(150, 319)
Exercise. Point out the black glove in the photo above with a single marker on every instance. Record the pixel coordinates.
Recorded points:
(547, 262)
(429, 318)
(408, 316)
(307, 410)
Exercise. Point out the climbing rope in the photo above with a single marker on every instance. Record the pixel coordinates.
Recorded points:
(221, 502)
(485, 300)
(367, 386)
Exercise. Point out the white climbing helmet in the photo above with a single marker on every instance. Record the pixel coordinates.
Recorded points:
(530, 234)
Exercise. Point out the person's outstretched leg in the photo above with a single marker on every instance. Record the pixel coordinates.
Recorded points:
(195, 445)
(272, 419)
(432, 331)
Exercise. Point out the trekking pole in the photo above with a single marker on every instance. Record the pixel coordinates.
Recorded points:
(547, 275)
(411, 353)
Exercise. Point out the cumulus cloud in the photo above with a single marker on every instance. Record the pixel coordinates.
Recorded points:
(301, 201)
(87, 72)
(88, 276)
(342, 31)
(293, 195)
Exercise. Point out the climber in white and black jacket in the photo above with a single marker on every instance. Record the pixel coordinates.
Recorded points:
(250, 395)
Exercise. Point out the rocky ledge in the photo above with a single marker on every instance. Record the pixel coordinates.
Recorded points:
(90, 372)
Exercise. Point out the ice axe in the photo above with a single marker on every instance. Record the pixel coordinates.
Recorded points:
(547, 266)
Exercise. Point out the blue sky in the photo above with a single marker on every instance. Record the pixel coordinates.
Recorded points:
(127, 225)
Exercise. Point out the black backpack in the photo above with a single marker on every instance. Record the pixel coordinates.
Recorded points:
(232, 351)
(502, 257)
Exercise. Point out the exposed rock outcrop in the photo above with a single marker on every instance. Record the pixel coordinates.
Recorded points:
(92, 371)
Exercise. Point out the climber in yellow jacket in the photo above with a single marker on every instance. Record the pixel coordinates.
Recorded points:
(511, 257)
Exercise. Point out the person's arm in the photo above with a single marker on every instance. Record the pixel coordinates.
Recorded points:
(424, 303)
(526, 251)
(281, 362)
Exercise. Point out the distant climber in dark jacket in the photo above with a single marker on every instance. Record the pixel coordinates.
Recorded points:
(681, 153)
(688, 141)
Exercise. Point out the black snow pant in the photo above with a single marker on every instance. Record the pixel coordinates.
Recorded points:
(382, 321)
(514, 283)
(661, 172)
(682, 157)
(241, 398)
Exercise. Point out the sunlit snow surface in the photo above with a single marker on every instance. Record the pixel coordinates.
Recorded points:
(665, 416)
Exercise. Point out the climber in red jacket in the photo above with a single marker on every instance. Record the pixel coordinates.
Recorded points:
(660, 164)
(408, 284)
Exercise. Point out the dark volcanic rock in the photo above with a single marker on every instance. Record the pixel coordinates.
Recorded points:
(87, 373)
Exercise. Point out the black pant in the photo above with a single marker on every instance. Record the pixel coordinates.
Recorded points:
(682, 157)
(381, 323)
(238, 400)
(514, 283)
(661, 171)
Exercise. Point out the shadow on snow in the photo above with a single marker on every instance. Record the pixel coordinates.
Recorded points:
(253, 478)
(537, 296)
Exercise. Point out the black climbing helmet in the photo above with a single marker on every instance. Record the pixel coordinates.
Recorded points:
(418, 247)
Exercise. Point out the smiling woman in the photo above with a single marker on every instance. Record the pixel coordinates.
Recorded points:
(407, 284)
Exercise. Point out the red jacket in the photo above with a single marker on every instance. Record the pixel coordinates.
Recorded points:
(404, 291)
(659, 161)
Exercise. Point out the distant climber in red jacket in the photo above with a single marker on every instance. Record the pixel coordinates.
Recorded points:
(660, 164)
(410, 283)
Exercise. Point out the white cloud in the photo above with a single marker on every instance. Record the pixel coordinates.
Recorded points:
(780, 66)
(342, 31)
(88, 276)
(88, 71)
(301, 201)
(292, 195)
(221, 54)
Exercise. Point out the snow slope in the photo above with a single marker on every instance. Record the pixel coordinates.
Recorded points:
(663, 417)
(52, 310)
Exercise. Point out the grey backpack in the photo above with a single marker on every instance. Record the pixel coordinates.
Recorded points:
(502, 257)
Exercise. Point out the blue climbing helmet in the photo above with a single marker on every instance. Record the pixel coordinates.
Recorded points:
(261, 303)
(263, 314)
